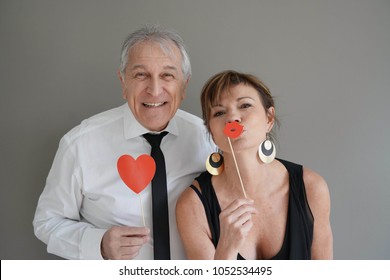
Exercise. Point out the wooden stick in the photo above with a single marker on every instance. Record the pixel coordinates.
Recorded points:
(142, 209)
(238, 171)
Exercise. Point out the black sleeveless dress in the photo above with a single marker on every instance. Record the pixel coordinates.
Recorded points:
(299, 228)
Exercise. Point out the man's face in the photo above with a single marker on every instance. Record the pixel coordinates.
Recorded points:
(153, 84)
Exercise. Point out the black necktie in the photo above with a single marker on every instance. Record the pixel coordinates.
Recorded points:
(159, 199)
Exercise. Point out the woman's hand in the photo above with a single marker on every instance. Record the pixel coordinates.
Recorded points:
(235, 223)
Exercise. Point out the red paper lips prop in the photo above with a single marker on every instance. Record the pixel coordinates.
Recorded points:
(233, 129)
(136, 173)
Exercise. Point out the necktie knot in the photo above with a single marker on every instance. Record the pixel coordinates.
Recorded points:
(155, 139)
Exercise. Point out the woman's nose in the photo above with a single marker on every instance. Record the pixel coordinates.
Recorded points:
(233, 117)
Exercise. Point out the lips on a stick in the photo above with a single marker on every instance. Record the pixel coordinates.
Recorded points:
(233, 130)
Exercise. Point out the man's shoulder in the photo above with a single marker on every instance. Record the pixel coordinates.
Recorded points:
(189, 119)
(96, 122)
(193, 132)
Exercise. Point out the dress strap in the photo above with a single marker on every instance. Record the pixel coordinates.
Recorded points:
(211, 214)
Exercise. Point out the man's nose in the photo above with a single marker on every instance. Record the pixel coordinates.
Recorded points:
(155, 87)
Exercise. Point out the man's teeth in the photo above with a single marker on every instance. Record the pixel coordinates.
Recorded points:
(153, 104)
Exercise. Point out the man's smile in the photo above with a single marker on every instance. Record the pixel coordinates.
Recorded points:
(154, 104)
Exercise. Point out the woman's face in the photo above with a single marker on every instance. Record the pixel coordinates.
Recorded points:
(242, 104)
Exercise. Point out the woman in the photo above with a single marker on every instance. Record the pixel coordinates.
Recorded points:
(257, 207)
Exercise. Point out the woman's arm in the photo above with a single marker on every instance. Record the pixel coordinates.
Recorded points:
(193, 227)
(318, 197)
(235, 222)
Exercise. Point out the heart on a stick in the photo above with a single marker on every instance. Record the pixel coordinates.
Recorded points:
(136, 173)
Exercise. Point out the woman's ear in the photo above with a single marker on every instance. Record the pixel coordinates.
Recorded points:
(270, 118)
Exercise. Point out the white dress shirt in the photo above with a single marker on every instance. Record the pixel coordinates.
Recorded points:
(84, 194)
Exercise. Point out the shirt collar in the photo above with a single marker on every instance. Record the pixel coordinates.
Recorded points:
(132, 128)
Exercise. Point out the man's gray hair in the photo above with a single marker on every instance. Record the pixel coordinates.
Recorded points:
(165, 37)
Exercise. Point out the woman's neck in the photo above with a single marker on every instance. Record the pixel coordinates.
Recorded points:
(254, 173)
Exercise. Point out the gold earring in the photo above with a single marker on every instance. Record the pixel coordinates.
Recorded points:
(214, 164)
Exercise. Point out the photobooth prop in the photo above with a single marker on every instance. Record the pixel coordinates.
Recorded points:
(234, 130)
(137, 174)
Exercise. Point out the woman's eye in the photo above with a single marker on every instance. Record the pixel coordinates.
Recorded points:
(246, 105)
(217, 114)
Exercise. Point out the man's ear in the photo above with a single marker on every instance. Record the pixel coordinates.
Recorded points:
(123, 84)
(183, 95)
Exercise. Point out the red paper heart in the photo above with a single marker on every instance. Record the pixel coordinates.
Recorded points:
(136, 174)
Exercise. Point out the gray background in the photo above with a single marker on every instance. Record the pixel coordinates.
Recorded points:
(326, 62)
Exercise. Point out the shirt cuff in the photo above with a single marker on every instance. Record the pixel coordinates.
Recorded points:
(90, 244)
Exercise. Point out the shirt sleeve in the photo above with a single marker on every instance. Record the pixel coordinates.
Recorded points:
(57, 219)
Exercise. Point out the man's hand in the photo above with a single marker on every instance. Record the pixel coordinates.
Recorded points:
(123, 243)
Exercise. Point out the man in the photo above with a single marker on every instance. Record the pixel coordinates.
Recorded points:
(86, 211)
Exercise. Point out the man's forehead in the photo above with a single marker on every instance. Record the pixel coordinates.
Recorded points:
(151, 49)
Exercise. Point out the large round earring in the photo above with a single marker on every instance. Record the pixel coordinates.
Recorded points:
(267, 150)
(214, 164)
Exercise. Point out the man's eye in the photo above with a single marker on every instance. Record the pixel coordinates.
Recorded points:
(139, 75)
(167, 76)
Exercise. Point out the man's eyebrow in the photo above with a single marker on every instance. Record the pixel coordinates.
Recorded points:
(137, 66)
(140, 66)
(170, 67)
